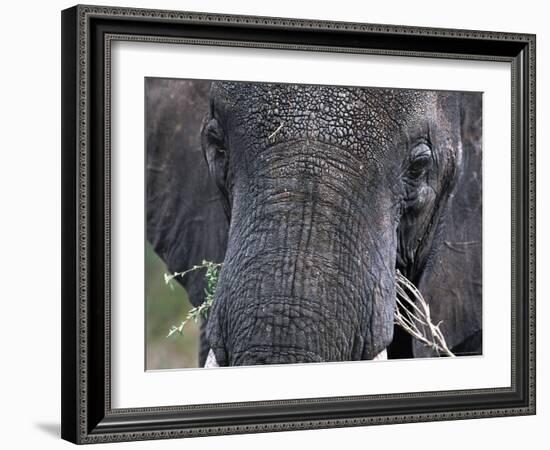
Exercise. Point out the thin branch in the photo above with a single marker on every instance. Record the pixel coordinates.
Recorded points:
(413, 310)
(272, 135)
(211, 277)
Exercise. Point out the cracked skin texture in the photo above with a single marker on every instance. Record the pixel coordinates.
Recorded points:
(326, 190)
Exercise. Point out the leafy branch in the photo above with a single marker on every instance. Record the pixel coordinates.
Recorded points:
(211, 276)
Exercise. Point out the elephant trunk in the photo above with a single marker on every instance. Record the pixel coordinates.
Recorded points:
(309, 271)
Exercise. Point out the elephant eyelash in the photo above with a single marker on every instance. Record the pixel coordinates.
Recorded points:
(421, 148)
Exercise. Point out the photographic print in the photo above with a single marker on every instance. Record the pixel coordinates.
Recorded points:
(291, 223)
(336, 201)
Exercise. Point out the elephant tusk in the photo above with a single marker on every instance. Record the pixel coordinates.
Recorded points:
(211, 360)
(382, 356)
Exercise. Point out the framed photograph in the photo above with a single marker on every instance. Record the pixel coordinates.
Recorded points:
(283, 224)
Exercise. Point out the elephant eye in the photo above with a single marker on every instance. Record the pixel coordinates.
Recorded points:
(420, 162)
(419, 166)
(215, 135)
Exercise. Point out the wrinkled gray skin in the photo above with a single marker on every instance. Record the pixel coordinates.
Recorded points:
(322, 192)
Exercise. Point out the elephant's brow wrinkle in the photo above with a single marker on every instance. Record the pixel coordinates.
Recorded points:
(275, 147)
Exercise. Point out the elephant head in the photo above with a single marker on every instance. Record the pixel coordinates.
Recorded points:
(313, 196)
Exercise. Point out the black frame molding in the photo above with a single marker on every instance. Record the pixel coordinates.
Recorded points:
(87, 34)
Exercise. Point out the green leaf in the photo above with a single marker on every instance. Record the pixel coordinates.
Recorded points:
(211, 276)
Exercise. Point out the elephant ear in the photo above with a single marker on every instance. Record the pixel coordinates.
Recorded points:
(452, 283)
(186, 222)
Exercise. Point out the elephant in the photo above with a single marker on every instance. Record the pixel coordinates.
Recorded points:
(313, 196)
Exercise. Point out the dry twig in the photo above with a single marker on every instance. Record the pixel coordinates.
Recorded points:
(413, 315)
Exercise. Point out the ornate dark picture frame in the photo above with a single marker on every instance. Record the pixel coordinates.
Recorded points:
(87, 35)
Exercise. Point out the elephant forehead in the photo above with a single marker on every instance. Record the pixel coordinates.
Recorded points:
(352, 117)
